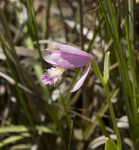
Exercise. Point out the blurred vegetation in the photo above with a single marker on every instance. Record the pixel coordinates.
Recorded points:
(38, 117)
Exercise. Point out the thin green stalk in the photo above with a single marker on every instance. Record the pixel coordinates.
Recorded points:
(33, 29)
(96, 31)
(70, 137)
(81, 24)
(113, 117)
(65, 104)
(8, 35)
(129, 88)
(130, 41)
(19, 93)
(131, 21)
(12, 52)
(63, 20)
(132, 70)
(47, 19)
(102, 126)
(104, 81)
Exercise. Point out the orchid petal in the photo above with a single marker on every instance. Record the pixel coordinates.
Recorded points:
(56, 60)
(66, 60)
(80, 82)
(72, 50)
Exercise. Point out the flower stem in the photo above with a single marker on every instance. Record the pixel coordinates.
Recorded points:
(113, 117)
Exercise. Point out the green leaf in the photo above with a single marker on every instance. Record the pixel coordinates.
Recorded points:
(97, 71)
(110, 145)
(13, 139)
(92, 125)
(106, 67)
(22, 128)
(33, 28)
(20, 147)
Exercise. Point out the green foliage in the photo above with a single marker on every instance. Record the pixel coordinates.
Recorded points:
(110, 145)
(50, 117)
(106, 67)
(97, 71)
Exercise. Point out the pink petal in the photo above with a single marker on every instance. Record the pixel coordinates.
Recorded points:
(72, 50)
(52, 75)
(46, 79)
(80, 82)
(56, 60)
(67, 60)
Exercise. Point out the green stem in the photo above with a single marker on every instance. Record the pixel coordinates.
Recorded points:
(113, 117)
(81, 24)
(33, 29)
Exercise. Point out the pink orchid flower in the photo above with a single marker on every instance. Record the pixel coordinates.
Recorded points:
(66, 57)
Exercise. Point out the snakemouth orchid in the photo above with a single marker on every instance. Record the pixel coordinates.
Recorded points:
(62, 58)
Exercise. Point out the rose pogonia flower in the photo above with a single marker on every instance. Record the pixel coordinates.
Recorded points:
(66, 57)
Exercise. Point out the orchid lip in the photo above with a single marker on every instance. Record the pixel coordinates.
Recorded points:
(52, 75)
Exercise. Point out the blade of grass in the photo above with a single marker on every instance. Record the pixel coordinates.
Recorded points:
(96, 31)
(106, 67)
(47, 19)
(22, 128)
(129, 92)
(102, 126)
(119, 143)
(81, 23)
(13, 139)
(110, 145)
(21, 146)
(33, 28)
(91, 127)
(97, 71)
(21, 98)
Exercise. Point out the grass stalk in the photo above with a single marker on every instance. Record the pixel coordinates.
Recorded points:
(19, 93)
(63, 20)
(104, 81)
(47, 19)
(132, 68)
(129, 83)
(33, 29)
(81, 23)
(119, 143)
